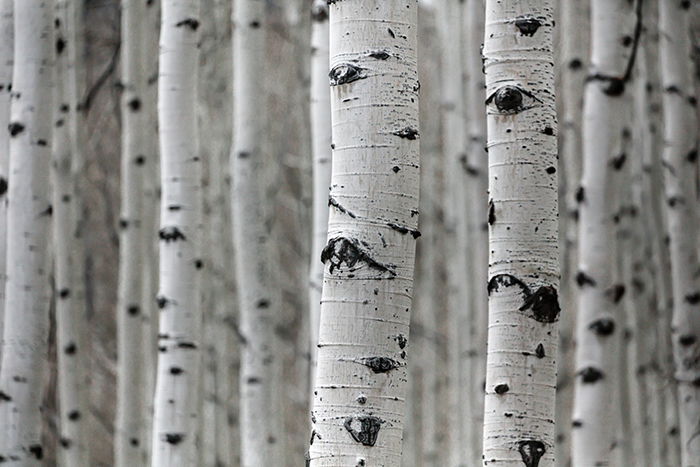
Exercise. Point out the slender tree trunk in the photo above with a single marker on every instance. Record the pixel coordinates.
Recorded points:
(27, 297)
(260, 419)
(360, 385)
(71, 338)
(680, 177)
(131, 403)
(6, 60)
(176, 398)
(321, 138)
(523, 217)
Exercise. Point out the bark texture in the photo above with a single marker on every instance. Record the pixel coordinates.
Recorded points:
(523, 218)
(359, 397)
(6, 60)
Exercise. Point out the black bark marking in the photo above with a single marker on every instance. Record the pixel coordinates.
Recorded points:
(692, 156)
(577, 424)
(3, 186)
(539, 351)
(369, 429)
(407, 133)
(70, 348)
(531, 452)
(544, 304)
(176, 370)
(254, 24)
(187, 345)
(492, 213)
(64, 293)
(361, 399)
(693, 298)
(615, 293)
(37, 451)
(687, 340)
(506, 280)
(134, 442)
(332, 202)
(603, 327)
(319, 13)
(74, 415)
(173, 438)
(60, 45)
(348, 250)
(501, 389)
(583, 279)
(47, 212)
(591, 375)
(685, 4)
(551, 170)
(171, 234)
(4, 397)
(42, 142)
(191, 23)
(575, 64)
(15, 128)
(65, 443)
(508, 99)
(549, 131)
(580, 195)
(345, 73)
(379, 54)
(618, 162)
(380, 364)
(133, 310)
(404, 230)
(134, 104)
(162, 302)
(402, 341)
(263, 303)
(527, 25)
(140, 160)
(391, 33)
(198, 264)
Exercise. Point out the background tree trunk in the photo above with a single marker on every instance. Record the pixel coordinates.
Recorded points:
(6, 60)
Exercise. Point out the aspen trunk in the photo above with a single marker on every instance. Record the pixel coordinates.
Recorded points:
(260, 419)
(177, 381)
(360, 383)
(321, 138)
(523, 218)
(680, 178)
(71, 338)
(27, 297)
(6, 59)
(131, 403)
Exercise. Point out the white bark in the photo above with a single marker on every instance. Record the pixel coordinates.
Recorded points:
(260, 419)
(177, 381)
(360, 384)
(131, 403)
(24, 342)
(71, 339)
(523, 242)
(680, 177)
(6, 59)
(321, 139)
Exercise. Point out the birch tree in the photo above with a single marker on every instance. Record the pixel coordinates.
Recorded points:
(321, 139)
(523, 218)
(359, 397)
(28, 222)
(680, 178)
(6, 57)
(70, 298)
(177, 382)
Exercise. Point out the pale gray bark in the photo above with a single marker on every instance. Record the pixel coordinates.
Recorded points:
(6, 60)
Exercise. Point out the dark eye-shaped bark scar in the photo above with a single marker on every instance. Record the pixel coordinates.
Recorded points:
(510, 99)
(346, 73)
(528, 25)
(531, 452)
(543, 302)
(349, 251)
(380, 364)
(368, 431)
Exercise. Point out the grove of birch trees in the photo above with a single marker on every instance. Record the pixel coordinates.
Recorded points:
(349, 233)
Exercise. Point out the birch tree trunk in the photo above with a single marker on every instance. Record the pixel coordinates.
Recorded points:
(71, 338)
(599, 294)
(260, 421)
(680, 178)
(131, 403)
(27, 297)
(321, 139)
(523, 235)
(177, 381)
(6, 60)
(360, 383)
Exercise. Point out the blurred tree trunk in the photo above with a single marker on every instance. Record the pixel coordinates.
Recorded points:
(6, 60)
(175, 424)
(24, 343)
(523, 218)
(360, 386)
(680, 176)
(71, 314)
(130, 440)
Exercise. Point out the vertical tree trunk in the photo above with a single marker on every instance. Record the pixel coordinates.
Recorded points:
(28, 219)
(177, 381)
(131, 403)
(6, 59)
(365, 311)
(599, 294)
(523, 217)
(680, 177)
(71, 339)
(321, 138)
(260, 419)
